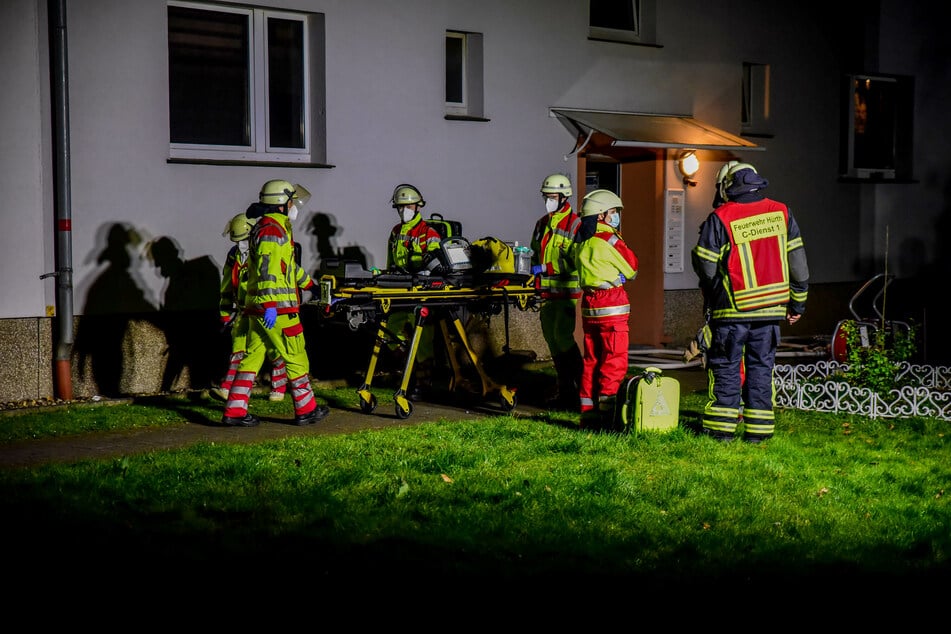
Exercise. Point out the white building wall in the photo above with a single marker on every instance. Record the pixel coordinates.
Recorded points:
(385, 125)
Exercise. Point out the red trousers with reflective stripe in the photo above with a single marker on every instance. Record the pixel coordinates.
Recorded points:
(606, 343)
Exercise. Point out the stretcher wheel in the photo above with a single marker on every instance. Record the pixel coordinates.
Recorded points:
(368, 406)
(508, 404)
(404, 413)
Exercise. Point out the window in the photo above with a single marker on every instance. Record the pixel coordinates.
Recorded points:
(464, 76)
(245, 84)
(877, 129)
(755, 106)
(629, 21)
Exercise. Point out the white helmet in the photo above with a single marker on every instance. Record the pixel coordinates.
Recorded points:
(278, 192)
(725, 175)
(406, 194)
(239, 228)
(557, 184)
(599, 201)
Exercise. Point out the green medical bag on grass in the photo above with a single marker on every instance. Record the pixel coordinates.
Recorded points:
(649, 402)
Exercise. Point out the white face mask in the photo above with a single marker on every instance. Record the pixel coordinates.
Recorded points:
(407, 214)
(292, 213)
(614, 220)
(243, 246)
(551, 204)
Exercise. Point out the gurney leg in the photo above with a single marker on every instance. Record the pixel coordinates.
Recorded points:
(367, 399)
(404, 407)
(506, 396)
(456, 380)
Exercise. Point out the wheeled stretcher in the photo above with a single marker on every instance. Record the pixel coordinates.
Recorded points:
(363, 299)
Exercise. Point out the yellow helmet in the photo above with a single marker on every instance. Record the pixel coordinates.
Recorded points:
(278, 192)
(239, 228)
(725, 175)
(406, 194)
(557, 184)
(599, 201)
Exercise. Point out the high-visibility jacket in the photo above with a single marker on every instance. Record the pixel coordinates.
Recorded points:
(409, 242)
(274, 276)
(234, 283)
(601, 260)
(751, 262)
(552, 240)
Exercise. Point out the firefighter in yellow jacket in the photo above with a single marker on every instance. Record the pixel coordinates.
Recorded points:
(232, 297)
(412, 246)
(552, 239)
(604, 263)
(275, 280)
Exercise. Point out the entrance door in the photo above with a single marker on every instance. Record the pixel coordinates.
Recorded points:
(638, 178)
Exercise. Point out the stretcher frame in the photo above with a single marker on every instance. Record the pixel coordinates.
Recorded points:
(365, 302)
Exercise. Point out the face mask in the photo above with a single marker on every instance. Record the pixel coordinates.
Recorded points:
(551, 204)
(407, 214)
(614, 220)
(243, 246)
(292, 213)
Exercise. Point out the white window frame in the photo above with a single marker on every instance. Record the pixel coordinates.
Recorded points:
(471, 107)
(459, 107)
(643, 30)
(259, 149)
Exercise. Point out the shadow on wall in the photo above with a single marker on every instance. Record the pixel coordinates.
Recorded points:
(127, 345)
(114, 298)
(188, 316)
(323, 229)
(335, 351)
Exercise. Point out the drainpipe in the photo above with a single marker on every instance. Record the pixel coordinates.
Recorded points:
(59, 79)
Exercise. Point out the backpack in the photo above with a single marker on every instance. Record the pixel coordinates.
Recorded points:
(491, 255)
(445, 228)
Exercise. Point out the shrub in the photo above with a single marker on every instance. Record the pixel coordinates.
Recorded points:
(874, 354)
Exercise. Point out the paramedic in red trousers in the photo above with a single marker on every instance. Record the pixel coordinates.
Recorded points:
(604, 263)
(552, 239)
(273, 307)
(411, 246)
(753, 274)
(232, 297)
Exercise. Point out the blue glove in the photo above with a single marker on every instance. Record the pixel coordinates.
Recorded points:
(538, 268)
(270, 317)
(622, 278)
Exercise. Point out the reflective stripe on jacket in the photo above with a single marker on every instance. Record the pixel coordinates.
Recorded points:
(601, 261)
(408, 243)
(274, 275)
(234, 283)
(751, 262)
(552, 240)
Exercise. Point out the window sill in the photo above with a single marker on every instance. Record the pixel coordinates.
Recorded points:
(464, 117)
(197, 161)
(612, 41)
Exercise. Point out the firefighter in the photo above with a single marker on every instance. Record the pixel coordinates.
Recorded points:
(273, 306)
(604, 263)
(234, 291)
(412, 248)
(753, 273)
(552, 238)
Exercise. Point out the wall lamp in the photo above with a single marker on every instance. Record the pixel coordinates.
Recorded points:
(689, 165)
